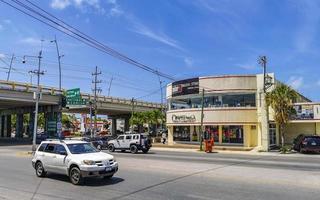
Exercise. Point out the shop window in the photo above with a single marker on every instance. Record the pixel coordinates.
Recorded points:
(213, 130)
(272, 134)
(232, 134)
(181, 133)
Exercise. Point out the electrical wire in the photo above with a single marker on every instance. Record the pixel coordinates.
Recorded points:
(55, 23)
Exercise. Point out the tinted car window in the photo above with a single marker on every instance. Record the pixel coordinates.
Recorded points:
(120, 137)
(42, 147)
(60, 148)
(313, 140)
(81, 148)
(50, 148)
(128, 137)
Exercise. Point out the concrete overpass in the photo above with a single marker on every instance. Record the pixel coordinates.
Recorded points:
(17, 98)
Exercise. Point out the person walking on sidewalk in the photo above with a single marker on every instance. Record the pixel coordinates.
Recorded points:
(164, 138)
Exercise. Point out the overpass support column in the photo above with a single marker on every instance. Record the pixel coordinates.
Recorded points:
(126, 124)
(2, 122)
(114, 126)
(31, 124)
(19, 126)
(8, 125)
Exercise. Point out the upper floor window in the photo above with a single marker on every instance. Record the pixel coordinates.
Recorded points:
(226, 100)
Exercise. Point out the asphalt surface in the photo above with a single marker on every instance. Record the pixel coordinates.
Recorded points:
(171, 175)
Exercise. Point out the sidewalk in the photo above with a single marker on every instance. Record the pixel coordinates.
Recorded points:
(222, 150)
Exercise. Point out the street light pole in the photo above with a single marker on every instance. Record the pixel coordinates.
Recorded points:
(37, 97)
(59, 60)
(10, 67)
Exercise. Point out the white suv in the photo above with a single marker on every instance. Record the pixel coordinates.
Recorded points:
(132, 142)
(76, 159)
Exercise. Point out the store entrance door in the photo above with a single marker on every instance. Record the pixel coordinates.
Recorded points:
(272, 135)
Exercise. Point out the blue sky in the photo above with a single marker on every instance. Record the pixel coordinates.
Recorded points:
(181, 38)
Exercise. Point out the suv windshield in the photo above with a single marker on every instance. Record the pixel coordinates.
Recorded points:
(81, 148)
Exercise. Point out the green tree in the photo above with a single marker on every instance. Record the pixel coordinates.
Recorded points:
(281, 101)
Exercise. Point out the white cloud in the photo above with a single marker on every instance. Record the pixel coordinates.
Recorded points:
(247, 66)
(295, 82)
(2, 55)
(31, 41)
(160, 37)
(60, 4)
(89, 5)
(188, 61)
(307, 30)
(7, 21)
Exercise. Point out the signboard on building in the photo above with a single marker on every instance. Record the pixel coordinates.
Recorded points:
(184, 87)
(183, 118)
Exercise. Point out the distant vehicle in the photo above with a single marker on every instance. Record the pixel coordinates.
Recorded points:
(307, 143)
(74, 158)
(132, 142)
(97, 142)
(42, 136)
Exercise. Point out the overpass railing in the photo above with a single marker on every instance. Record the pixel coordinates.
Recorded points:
(122, 101)
(24, 87)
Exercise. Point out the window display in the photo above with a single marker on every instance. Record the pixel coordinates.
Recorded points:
(181, 133)
(213, 130)
(232, 134)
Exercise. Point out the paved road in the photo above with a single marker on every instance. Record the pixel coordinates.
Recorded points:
(171, 175)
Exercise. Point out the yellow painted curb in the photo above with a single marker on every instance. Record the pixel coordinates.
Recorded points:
(24, 153)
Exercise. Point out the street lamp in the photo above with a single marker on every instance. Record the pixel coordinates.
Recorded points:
(59, 59)
(37, 96)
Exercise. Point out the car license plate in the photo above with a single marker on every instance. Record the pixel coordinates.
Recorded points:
(313, 143)
(108, 169)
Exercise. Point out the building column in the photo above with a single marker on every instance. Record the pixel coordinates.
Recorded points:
(2, 120)
(31, 124)
(8, 125)
(317, 132)
(191, 132)
(19, 126)
(170, 135)
(246, 136)
(220, 133)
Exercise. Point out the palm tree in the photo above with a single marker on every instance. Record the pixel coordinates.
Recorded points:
(280, 99)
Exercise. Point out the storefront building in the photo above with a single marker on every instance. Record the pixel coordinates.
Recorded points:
(234, 111)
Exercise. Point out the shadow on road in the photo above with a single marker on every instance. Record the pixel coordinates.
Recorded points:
(92, 182)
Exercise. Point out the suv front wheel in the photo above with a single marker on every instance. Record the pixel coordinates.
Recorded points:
(133, 149)
(39, 169)
(75, 176)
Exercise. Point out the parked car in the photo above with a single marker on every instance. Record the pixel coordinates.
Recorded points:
(307, 143)
(132, 142)
(42, 136)
(74, 158)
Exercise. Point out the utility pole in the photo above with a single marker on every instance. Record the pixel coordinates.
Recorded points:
(110, 86)
(10, 67)
(59, 60)
(36, 96)
(161, 100)
(201, 123)
(96, 90)
(263, 62)
(132, 111)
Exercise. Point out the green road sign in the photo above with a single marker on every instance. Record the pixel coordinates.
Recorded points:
(73, 95)
(76, 102)
(52, 126)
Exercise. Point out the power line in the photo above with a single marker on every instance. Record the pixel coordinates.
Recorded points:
(55, 23)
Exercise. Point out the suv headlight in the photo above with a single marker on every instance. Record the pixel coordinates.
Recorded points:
(89, 162)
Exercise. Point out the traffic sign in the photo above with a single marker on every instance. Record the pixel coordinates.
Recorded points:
(73, 94)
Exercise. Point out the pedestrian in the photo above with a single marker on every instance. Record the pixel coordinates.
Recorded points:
(164, 137)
